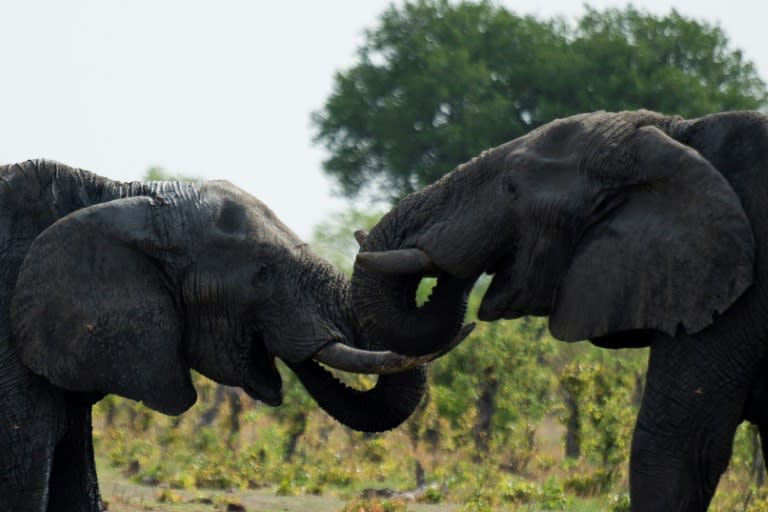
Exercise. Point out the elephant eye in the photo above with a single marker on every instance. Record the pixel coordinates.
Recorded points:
(511, 187)
(261, 276)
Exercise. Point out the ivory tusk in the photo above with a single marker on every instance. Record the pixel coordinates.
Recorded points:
(382, 362)
(397, 262)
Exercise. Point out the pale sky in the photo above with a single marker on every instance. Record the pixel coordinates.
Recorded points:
(218, 89)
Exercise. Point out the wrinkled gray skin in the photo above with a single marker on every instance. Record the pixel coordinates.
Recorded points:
(123, 288)
(627, 229)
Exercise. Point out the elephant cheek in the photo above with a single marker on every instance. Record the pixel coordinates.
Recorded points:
(265, 387)
(495, 304)
(498, 301)
(262, 380)
(510, 297)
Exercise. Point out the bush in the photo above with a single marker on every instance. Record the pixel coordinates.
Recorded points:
(590, 484)
(375, 505)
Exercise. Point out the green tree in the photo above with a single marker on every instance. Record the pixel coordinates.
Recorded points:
(627, 59)
(438, 82)
(333, 238)
(157, 173)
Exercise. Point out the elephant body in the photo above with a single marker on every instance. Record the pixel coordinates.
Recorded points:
(627, 229)
(46, 451)
(122, 288)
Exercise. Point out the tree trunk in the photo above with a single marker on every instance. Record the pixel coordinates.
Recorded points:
(210, 414)
(637, 397)
(235, 409)
(572, 427)
(297, 429)
(486, 406)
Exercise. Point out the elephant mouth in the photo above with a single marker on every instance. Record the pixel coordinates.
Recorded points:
(502, 299)
(261, 379)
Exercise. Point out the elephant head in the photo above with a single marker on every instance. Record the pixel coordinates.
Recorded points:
(604, 222)
(139, 283)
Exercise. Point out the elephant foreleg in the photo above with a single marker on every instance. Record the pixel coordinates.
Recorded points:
(26, 452)
(693, 403)
(73, 484)
(677, 473)
(32, 419)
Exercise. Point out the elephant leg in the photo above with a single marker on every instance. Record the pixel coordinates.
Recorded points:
(73, 484)
(693, 403)
(31, 422)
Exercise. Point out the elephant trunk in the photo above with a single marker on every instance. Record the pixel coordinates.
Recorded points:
(401, 379)
(385, 303)
(394, 397)
(385, 406)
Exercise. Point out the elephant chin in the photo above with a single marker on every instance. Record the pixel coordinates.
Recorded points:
(501, 300)
(267, 387)
(262, 380)
(508, 297)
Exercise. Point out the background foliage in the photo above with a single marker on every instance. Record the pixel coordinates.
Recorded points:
(513, 419)
(491, 434)
(496, 431)
(437, 82)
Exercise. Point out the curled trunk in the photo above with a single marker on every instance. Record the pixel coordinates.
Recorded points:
(385, 304)
(394, 397)
(389, 403)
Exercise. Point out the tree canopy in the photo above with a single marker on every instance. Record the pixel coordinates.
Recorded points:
(436, 82)
(157, 173)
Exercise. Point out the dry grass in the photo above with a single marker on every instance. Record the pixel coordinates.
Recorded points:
(122, 495)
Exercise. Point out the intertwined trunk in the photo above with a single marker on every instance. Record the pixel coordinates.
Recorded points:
(394, 397)
(385, 406)
(386, 305)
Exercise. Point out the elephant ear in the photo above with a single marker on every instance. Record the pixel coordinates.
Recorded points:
(674, 250)
(93, 312)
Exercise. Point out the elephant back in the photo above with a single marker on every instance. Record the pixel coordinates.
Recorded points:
(33, 195)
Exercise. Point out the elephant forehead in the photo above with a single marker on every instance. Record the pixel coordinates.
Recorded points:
(222, 192)
(240, 214)
(587, 134)
(562, 131)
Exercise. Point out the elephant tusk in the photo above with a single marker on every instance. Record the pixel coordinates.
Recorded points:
(361, 236)
(381, 362)
(398, 262)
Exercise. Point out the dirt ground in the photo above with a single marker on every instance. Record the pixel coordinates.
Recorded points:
(122, 495)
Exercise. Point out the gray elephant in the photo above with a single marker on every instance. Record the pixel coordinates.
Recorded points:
(122, 288)
(627, 229)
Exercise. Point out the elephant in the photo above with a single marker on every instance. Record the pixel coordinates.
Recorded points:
(111, 287)
(627, 229)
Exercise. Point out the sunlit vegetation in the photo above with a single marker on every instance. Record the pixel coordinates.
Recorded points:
(502, 412)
